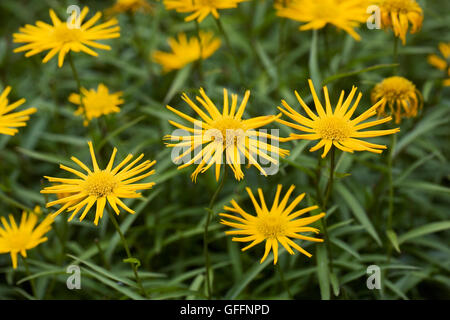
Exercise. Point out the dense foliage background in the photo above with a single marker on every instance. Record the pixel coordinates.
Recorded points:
(166, 232)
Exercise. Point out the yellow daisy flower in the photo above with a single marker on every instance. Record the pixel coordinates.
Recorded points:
(226, 133)
(200, 8)
(97, 103)
(343, 14)
(397, 14)
(185, 51)
(132, 6)
(29, 234)
(442, 64)
(10, 121)
(335, 127)
(400, 95)
(99, 186)
(62, 37)
(279, 224)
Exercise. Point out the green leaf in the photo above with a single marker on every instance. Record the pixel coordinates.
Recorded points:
(177, 83)
(356, 72)
(358, 211)
(334, 284)
(392, 236)
(341, 244)
(313, 64)
(424, 230)
(322, 271)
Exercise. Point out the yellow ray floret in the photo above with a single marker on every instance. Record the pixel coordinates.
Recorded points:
(9, 121)
(131, 6)
(16, 239)
(65, 36)
(96, 102)
(335, 128)
(224, 134)
(441, 63)
(100, 186)
(185, 51)
(279, 224)
(400, 95)
(343, 14)
(399, 14)
(200, 9)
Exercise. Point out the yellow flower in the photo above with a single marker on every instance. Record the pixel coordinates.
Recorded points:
(343, 14)
(397, 14)
(442, 64)
(400, 95)
(335, 127)
(97, 103)
(10, 121)
(18, 239)
(185, 51)
(279, 224)
(220, 134)
(98, 186)
(132, 6)
(63, 37)
(200, 8)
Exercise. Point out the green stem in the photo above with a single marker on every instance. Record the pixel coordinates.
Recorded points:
(199, 62)
(27, 270)
(395, 54)
(127, 250)
(205, 235)
(283, 280)
(391, 192)
(324, 206)
(77, 79)
(230, 48)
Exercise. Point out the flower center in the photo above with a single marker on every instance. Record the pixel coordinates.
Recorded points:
(100, 184)
(399, 5)
(271, 226)
(396, 88)
(227, 130)
(63, 34)
(334, 128)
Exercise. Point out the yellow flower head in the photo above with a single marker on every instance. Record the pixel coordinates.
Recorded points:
(65, 36)
(96, 103)
(185, 51)
(200, 8)
(10, 121)
(397, 14)
(226, 133)
(442, 63)
(277, 224)
(343, 14)
(400, 95)
(18, 239)
(97, 186)
(335, 127)
(132, 6)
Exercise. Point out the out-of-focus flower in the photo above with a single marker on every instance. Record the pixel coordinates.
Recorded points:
(9, 121)
(200, 9)
(96, 102)
(442, 63)
(131, 6)
(185, 51)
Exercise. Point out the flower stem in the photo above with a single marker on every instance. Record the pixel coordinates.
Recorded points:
(283, 280)
(77, 79)
(391, 190)
(395, 54)
(205, 235)
(328, 192)
(230, 48)
(199, 62)
(27, 270)
(127, 250)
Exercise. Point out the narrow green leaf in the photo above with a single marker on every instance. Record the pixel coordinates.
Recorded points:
(323, 272)
(392, 236)
(424, 230)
